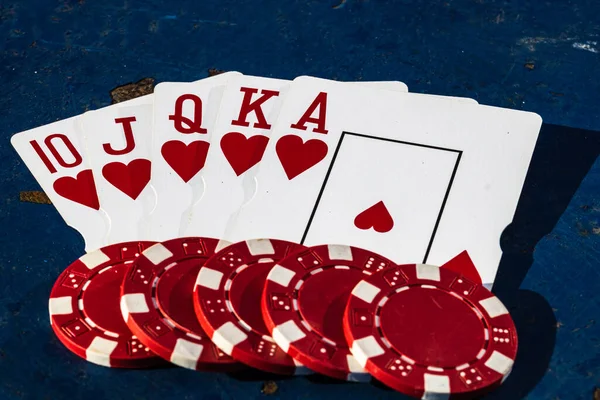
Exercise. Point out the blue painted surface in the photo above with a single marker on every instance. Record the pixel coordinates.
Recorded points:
(59, 58)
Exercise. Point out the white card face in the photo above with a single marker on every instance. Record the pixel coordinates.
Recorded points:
(368, 193)
(401, 87)
(56, 159)
(240, 135)
(249, 107)
(118, 141)
(494, 146)
(184, 116)
(463, 100)
(395, 86)
(244, 225)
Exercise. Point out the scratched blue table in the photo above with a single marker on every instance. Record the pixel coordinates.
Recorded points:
(60, 58)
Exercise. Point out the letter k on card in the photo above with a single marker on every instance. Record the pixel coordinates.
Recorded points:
(241, 134)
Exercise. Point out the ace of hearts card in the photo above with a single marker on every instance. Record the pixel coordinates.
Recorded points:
(417, 179)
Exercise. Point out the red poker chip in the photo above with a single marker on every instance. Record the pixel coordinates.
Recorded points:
(227, 299)
(156, 302)
(84, 309)
(303, 305)
(430, 332)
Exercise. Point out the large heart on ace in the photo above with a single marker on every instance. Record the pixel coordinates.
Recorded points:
(377, 217)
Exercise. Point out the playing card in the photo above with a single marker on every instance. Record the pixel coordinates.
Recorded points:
(249, 106)
(117, 142)
(395, 86)
(184, 115)
(387, 85)
(55, 158)
(240, 227)
(238, 140)
(464, 100)
(413, 177)
(368, 193)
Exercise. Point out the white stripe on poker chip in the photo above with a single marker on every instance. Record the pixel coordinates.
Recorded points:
(157, 253)
(339, 252)
(286, 334)
(298, 363)
(100, 350)
(93, 259)
(258, 247)
(244, 324)
(435, 369)
(499, 363)
(493, 306)
(186, 354)
(241, 268)
(221, 245)
(429, 272)
(365, 348)
(437, 387)
(482, 351)
(505, 377)
(227, 337)
(462, 366)
(365, 291)
(209, 278)
(281, 275)
(357, 373)
(168, 267)
(90, 322)
(61, 305)
(133, 303)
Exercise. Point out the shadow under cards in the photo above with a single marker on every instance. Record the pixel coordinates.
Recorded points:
(562, 158)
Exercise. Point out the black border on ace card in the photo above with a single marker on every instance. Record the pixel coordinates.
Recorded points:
(443, 205)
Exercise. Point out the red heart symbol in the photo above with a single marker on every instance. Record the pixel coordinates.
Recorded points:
(297, 156)
(462, 264)
(186, 160)
(242, 152)
(377, 217)
(81, 189)
(130, 178)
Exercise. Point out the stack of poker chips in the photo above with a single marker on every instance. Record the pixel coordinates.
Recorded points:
(287, 309)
